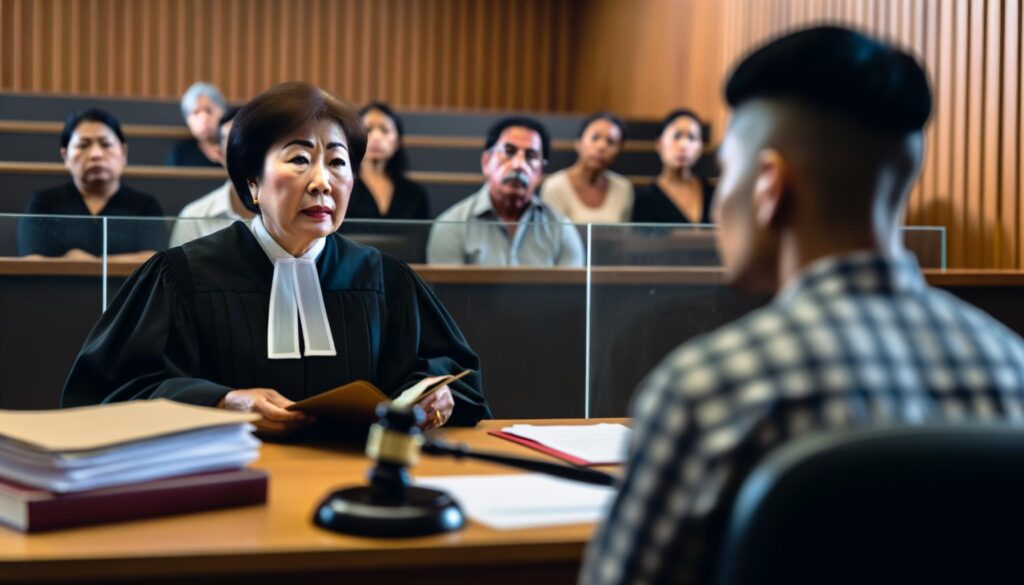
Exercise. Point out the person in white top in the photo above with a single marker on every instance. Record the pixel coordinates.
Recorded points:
(218, 208)
(587, 192)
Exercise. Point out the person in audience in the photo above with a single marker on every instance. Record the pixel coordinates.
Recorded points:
(678, 195)
(587, 192)
(202, 106)
(215, 322)
(505, 223)
(854, 336)
(382, 190)
(216, 209)
(94, 151)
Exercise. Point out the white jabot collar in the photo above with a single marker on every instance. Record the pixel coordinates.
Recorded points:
(295, 290)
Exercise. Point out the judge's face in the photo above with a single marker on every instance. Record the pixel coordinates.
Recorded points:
(304, 191)
(381, 136)
(513, 168)
(599, 145)
(94, 155)
(681, 143)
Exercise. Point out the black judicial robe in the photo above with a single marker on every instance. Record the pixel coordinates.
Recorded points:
(191, 325)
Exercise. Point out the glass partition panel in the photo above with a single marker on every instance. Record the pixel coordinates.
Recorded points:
(51, 293)
(654, 287)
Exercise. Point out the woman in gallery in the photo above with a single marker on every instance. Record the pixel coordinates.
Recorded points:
(255, 317)
(678, 195)
(588, 192)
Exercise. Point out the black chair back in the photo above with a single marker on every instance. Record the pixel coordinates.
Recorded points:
(897, 505)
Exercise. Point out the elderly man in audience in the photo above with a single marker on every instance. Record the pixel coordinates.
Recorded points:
(202, 107)
(505, 223)
(94, 151)
(215, 210)
(854, 336)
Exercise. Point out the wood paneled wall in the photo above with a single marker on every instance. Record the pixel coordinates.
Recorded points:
(510, 54)
(645, 57)
(639, 58)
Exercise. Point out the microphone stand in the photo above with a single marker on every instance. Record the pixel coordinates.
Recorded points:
(580, 474)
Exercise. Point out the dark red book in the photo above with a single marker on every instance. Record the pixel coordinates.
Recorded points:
(30, 509)
(545, 449)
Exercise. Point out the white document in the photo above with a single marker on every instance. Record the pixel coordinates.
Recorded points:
(527, 500)
(605, 443)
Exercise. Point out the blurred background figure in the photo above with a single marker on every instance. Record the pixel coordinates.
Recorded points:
(382, 191)
(202, 106)
(588, 192)
(218, 208)
(678, 195)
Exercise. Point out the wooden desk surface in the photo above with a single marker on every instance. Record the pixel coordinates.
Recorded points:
(277, 542)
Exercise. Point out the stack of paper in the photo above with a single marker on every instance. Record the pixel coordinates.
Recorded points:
(93, 447)
(527, 500)
(600, 444)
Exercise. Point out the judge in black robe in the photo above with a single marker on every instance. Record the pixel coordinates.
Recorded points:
(192, 324)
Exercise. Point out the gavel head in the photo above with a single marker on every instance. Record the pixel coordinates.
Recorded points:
(394, 443)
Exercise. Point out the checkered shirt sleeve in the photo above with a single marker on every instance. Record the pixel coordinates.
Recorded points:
(857, 340)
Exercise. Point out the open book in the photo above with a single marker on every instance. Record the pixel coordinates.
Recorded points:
(355, 402)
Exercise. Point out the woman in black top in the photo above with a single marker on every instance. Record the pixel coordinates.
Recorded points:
(381, 190)
(216, 321)
(677, 195)
(94, 151)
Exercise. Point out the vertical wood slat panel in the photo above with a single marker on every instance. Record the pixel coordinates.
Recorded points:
(1009, 144)
(989, 186)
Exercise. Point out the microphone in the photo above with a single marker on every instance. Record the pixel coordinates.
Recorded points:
(390, 506)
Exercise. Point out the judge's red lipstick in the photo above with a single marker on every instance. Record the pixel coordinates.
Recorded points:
(317, 212)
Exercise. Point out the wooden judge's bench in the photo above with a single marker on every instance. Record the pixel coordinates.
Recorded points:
(278, 543)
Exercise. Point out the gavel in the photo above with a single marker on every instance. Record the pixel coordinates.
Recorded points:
(390, 506)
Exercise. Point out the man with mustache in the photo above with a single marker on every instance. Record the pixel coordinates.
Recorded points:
(505, 223)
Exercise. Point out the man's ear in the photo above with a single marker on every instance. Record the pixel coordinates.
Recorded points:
(770, 189)
(485, 158)
(64, 155)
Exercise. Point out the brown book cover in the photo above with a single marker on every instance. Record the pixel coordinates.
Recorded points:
(31, 509)
(355, 402)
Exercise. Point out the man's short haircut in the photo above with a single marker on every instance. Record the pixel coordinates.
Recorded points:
(839, 71)
(610, 117)
(521, 121)
(229, 115)
(89, 115)
(271, 116)
(201, 88)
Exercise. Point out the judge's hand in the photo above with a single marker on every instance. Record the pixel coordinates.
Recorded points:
(271, 406)
(438, 407)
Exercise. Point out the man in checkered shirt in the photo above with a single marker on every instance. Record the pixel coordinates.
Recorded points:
(824, 144)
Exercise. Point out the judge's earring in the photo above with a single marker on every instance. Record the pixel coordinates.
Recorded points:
(255, 194)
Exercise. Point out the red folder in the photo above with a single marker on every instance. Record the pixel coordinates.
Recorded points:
(30, 509)
(547, 450)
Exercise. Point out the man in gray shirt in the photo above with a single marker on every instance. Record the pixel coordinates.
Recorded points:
(505, 223)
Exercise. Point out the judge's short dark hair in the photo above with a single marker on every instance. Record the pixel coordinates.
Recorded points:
(608, 116)
(270, 116)
(840, 71)
(523, 122)
(89, 115)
